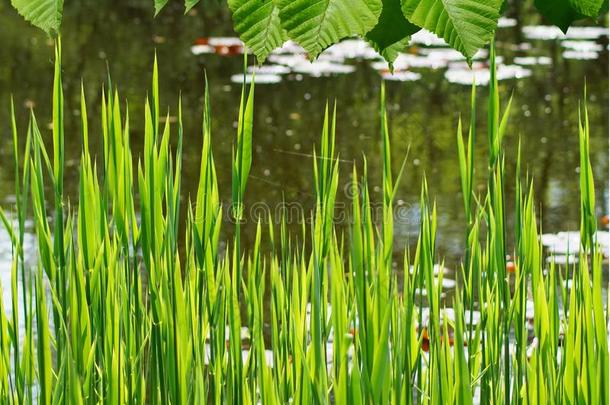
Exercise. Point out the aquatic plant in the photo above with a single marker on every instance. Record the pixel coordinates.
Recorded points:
(119, 306)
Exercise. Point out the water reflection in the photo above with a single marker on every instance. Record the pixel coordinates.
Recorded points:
(423, 105)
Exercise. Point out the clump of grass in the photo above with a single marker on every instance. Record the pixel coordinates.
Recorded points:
(136, 321)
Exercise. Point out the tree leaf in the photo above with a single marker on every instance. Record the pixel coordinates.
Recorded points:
(258, 25)
(588, 8)
(317, 24)
(44, 14)
(466, 25)
(159, 4)
(392, 32)
(558, 12)
(189, 4)
(563, 13)
(391, 52)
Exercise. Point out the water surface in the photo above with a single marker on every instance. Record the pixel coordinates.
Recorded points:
(121, 38)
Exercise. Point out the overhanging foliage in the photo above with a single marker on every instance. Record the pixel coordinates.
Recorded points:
(263, 25)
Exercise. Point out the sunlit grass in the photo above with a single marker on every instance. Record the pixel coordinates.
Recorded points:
(320, 317)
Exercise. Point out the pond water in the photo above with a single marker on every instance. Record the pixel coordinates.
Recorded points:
(544, 69)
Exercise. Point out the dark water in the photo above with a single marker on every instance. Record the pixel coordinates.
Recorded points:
(122, 37)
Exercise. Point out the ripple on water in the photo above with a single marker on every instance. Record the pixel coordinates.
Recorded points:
(480, 77)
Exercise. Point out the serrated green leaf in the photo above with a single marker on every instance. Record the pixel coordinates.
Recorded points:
(44, 14)
(563, 13)
(589, 8)
(558, 12)
(189, 4)
(159, 4)
(466, 25)
(258, 25)
(392, 32)
(317, 24)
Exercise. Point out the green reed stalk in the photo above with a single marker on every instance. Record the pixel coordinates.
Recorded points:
(141, 315)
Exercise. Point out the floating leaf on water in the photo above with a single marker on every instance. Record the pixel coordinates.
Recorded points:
(481, 76)
(561, 243)
(424, 293)
(260, 78)
(202, 49)
(288, 60)
(568, 243)
(289, 47)
(404, 76)
(505, 22)
(229, 50)
(580, 55)
(225, 41)
(586, 32)
(322, 68)
(542, 32)
(532, 60)
(383, 65)
(583, 46)
(529, 310)
(269, 70)
(548, 32)
(352, 49)
(447, 284)
(444, 54)
(475, 65)
(523, 46)
(436, 269)
(470, 317)
(331, 57)
(405, 61)
(226, 46)
(435, 58)
(562, 260)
